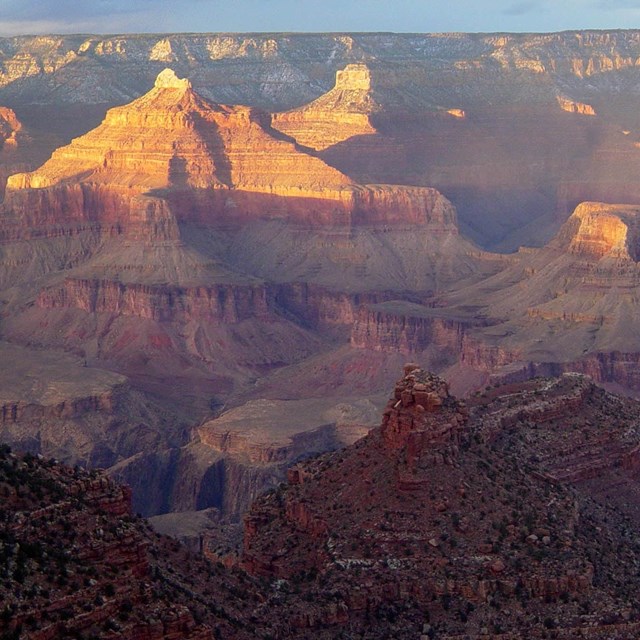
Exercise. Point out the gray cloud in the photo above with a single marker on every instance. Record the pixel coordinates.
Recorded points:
(82, 16)
(58, 10)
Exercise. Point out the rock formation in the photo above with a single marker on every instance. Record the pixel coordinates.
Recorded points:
(227, 156)
(336, 116)
(568, 306)
(15, 146)
(566, 104)
(507, 86)
(437, 512)
(220, 258)
(209, 147)
(10, 127)
(173, 245)
(493, 519)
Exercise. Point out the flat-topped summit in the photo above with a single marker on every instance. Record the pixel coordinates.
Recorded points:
(354, 77)
(340, 114)
(597, 229)
(167, 79)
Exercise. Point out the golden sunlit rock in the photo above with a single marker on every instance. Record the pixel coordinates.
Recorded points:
(336, 116)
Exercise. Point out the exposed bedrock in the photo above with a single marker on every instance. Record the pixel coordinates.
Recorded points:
(221, 303)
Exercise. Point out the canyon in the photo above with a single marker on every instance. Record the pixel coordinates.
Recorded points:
(216, 251)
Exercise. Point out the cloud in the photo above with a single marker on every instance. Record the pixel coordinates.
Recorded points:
(520, 8)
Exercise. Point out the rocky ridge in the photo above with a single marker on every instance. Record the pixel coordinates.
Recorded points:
(492, 518)
(438, 492)
(74, 561)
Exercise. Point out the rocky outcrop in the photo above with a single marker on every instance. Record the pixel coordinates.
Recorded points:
(336, 116)
(596, 230)
(439, 487)
(422, 420)
(10, 127)
(570, 106)
(222, 303)
(76, 562)
(564, 307)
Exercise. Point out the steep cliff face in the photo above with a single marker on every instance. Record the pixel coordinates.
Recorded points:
(408, 328)
(596, 230)
(223, 304)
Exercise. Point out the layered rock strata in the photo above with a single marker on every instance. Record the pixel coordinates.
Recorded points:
(336, 116)
(212, 150)
(568, 306)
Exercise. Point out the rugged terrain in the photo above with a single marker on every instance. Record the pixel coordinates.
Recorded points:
(512, 516)
(76, 564)
(234, 287)
(441, 104)
(196, 261)
(460, 521)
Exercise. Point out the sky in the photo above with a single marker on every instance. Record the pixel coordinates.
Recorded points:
(21, 17)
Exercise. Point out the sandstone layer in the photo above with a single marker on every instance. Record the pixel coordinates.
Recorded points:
(336, 116)
(569, 305)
